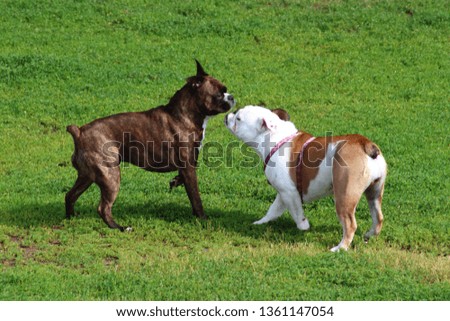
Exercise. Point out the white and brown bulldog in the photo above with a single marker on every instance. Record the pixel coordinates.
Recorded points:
(303, 168)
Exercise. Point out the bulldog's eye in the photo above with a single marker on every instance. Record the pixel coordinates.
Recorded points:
(238, 118)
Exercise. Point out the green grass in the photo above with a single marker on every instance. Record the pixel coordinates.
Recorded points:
(379, 68)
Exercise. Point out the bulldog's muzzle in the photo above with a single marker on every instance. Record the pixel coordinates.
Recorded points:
(226, 120)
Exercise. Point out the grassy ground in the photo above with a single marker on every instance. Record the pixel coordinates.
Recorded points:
(379, 68)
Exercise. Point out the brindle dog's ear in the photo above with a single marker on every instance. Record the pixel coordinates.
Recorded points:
(282, 114)
(197, 80)
(200, 71)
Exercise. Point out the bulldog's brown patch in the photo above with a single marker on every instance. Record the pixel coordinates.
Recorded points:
(282, 114)
(316, 150)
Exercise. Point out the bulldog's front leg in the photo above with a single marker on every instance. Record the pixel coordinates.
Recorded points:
(294, 205)
(275, 211)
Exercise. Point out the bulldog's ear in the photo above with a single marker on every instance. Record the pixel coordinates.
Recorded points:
(200, 71)
(268, 124)
(282, 114)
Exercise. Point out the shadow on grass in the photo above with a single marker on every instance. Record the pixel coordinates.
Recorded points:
(52, 215)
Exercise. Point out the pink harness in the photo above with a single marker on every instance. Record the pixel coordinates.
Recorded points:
(300, 158)
(277, 147)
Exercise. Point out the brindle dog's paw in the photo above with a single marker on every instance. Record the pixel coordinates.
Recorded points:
(175, 182)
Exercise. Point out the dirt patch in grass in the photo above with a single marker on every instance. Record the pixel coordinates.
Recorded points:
(111, 261)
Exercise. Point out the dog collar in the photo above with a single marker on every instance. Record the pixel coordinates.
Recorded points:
(277, 147)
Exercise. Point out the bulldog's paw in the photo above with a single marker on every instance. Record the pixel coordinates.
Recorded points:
(303, 225)
(338, 247)
(335, 249)
(261, 221)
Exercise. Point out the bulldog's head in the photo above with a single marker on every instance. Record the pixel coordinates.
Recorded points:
(250, 122)
(210, 94)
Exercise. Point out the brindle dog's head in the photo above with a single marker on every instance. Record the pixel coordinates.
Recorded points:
(211, 95)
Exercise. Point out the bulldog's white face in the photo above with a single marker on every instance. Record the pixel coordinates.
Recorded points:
(250, 122)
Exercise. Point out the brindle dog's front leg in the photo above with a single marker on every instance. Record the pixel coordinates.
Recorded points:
(189, 177)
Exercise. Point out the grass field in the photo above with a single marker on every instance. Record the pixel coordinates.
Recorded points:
(379, 68)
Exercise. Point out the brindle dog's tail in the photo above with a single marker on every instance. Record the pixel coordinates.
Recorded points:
(75, 132)
(371, 149)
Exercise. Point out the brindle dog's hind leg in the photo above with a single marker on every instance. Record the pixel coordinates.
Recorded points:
(81, 185)
(109, 183)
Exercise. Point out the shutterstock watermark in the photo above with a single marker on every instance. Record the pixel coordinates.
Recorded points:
(213, 154)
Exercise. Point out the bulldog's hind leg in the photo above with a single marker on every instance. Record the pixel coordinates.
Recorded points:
(346, 196)
(346, 214)
(374, 195)
(275, 211)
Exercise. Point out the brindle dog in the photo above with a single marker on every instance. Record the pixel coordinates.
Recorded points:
(162, 139)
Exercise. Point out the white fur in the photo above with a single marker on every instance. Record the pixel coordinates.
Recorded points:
(377, 167)
(228, 98)
(256, 126)
(322, 184)
(205, 123)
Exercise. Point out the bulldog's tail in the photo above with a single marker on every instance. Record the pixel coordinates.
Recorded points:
(371, 149)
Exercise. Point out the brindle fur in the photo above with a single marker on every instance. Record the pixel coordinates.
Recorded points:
(162, 139)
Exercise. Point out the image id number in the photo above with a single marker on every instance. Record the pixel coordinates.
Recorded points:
(304, 311)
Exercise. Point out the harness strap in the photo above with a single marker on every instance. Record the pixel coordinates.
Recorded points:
(277, 147)
(299, 167)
